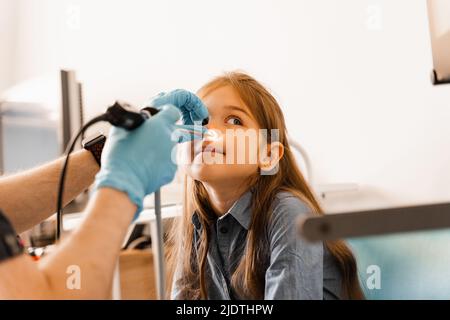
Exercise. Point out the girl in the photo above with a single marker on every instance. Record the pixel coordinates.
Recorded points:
(238, 238)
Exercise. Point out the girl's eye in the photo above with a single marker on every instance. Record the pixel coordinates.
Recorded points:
(234, 121)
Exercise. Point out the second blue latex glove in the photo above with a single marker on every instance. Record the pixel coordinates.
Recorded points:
(191, 107)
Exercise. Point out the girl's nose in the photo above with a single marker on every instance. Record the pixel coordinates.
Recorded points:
(213, 132)
(211, 135)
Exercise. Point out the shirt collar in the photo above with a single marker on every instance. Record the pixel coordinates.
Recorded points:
(239, 210)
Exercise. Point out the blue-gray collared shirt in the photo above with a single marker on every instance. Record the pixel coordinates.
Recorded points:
(297, 269)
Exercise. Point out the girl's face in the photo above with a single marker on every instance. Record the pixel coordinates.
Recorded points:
(230, 154)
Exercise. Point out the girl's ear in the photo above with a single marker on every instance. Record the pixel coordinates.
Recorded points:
(268, 164)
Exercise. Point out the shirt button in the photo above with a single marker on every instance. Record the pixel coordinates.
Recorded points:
(223, 229)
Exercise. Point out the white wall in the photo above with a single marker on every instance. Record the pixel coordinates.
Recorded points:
(352, 75)
(8, 29)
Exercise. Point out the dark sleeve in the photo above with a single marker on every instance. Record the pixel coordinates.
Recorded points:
(10, 243)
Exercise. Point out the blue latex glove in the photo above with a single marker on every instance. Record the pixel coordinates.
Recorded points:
(138, 162)
(191, 107)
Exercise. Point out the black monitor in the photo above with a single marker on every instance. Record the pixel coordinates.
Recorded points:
(439, 20)
(72, 106)
(71, 121)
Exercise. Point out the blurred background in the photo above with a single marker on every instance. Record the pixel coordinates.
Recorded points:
(352, 77)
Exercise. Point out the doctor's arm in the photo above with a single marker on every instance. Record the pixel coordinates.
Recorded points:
(28, 198)
(83, 264)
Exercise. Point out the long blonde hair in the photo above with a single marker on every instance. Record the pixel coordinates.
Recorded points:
(248, 280)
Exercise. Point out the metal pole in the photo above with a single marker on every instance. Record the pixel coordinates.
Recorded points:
(158, 249)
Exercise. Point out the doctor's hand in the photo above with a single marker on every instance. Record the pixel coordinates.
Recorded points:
(138, 162)
(191, 107)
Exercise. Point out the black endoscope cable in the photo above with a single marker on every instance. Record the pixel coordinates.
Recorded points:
(119, 115)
